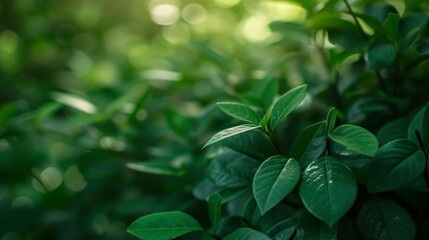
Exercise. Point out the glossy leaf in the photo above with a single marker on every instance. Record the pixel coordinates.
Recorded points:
(229, 132)
(328, 189)
(310, 144)
(286, 104)
(215, 209)
(160, 226)
(240, 111)
(246, 234)
(356, 138)
(396, 165)
(311, 228)
(381, 219)
(396, 129)
(274, 180)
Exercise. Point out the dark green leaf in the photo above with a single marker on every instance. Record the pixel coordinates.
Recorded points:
(381, 56)
(233, 170)
(328, 189)
(420, 123)
(229, 132)
(391, 25)
(268, 91)
(228, 225)
(215, 209)
(240, 111)
(381, 219)
(251, 211)
(283, 230)
(246, 234)
(396, 129)
(356, 139)
(160, 226)
(255, 144)
(311, 228)
(374, 23)
(274, 180)
(310, 144)
(286, 104)
(396, 164)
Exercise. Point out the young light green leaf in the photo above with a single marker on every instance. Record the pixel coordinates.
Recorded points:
(310, 144)
(396, 165)
(274, 180)
(383, 219)
(356, 138)
(286, 104)
(166, 225)
(311, 228)
(328, 189)
(215, 210)
(266, 119)
(229, 132)
(240, 111)
(331, 119)
(246, 234)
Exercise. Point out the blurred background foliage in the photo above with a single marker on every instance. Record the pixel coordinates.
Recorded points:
(91, 88)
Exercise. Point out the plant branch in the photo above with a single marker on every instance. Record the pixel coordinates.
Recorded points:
(358, 25)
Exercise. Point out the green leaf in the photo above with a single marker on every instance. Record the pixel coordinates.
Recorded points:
(375, 24)
(356, 138)
(391, 25)
(396, 129)
(215, 210)
(328, 189)
(331, 119)
(382, 219)
(396, 165)
(283, 230)
(229, 132)
(155, 167)
(167, 225)
(310, 144)
(311, 228)
(266, 119)
(251, 211)
(286, 104)
(381, 56)
(246, 234)
(232, 170)
(178, 122)
(268, 91)
(240, 111)
(274, 180)
(255, 144)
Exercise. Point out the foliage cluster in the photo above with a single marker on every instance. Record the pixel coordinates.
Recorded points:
(318, 130)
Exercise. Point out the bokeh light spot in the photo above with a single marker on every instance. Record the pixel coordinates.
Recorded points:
(165, 14)
(226, 3)
(74, 179)
(51, 178)
(194, 13)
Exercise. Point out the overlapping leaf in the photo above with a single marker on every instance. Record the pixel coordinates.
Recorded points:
(355, 138)
(240, 111)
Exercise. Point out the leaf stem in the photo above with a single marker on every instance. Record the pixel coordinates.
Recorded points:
(359, 26)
